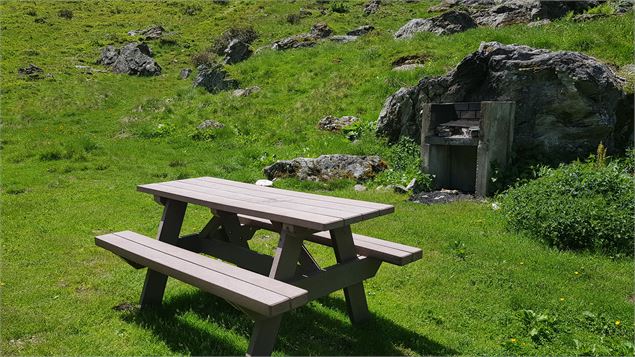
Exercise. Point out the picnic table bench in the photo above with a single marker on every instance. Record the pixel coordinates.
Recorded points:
(262, 286)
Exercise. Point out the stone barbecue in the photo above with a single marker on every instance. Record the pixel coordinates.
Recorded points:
(462, 144)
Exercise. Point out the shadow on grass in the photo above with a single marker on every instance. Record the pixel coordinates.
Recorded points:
(304, 331)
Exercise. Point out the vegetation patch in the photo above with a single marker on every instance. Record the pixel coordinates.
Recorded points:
(579, 206)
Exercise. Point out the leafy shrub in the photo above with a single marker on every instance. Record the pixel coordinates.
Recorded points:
(191, 10)
(579, 206)
(603, 9)
(339, 8)
(65, 13)
(205, 57)
(244, 34)
(404, 164)
(293, 19)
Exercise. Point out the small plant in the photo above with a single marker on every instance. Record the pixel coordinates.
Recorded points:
(339, 8)
(65, 14)
(205, 57)
(243, 34)
(540, 327)
(600, 158)
(404, 161)
(458, 249)
(31, 12)
(604, 9)
(191, 10)
(293, 19)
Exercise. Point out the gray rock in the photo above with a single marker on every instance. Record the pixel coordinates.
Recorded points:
(332, 123)
(210, 124)
(566, 102)
(360, 31)
(408, 67)
(327, 167)
(151, 33)
(371, 7)
(236, 51)
(539, 23)
(318, 31)
(132, 59)
(244, 92)
(442, 196)
(397, 117)
(496, 13)
(31, 72)
(185, 73)
(321, 30)
(587, 17)
(297, 41)
(411, 184)
(359, 188)
(444, 24)
(214, 78)
(343, 38)
(623, 6)
(109, 55)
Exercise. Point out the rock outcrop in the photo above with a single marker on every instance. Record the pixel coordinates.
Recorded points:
(318, 31)
(371, 7)
(244, 92)
(151, 33)
(566, 102)
(214, 78)
(236, 51)
(133, 59)
(327, 167)
(360, 31)
(31, 72)
(332, 123)
(496, 13)
(445, 24)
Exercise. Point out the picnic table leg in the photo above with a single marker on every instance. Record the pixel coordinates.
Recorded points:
(354, 295)
(169, 229)
(285, 262)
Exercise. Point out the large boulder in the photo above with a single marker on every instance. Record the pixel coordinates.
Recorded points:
(566, 102)
(214, 78)
(327, 167)
(133, 59)
(445, 24)
(371, 7)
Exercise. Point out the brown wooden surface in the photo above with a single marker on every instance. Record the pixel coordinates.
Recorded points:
(306, 210)
(390, 252)
(263, 295)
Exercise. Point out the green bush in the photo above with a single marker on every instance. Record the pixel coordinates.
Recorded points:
(579, 206)
(404, 164)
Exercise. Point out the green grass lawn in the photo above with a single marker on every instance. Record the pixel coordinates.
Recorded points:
(74, 146)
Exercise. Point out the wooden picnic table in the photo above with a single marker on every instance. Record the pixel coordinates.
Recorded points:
(262, 286)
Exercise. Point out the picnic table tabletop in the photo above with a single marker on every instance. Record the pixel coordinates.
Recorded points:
(306, 210)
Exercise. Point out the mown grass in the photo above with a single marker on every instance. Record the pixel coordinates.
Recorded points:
(74, 146)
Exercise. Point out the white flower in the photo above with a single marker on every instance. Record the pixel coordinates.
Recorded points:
(495, 206)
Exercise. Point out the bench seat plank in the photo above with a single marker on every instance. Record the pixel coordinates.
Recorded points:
(263, 295)
(390, 252)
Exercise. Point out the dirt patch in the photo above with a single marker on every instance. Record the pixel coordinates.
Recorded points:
(631, 298)
(441, 196)
(409, 60)
(124, 306)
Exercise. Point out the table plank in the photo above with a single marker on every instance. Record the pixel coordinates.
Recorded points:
(251, 187)
(290, 216)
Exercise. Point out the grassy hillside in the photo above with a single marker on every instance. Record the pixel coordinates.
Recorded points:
(75, 145)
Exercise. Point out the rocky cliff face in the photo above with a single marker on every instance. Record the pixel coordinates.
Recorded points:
(566, 102)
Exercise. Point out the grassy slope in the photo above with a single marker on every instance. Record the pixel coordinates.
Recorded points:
(74, 146)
